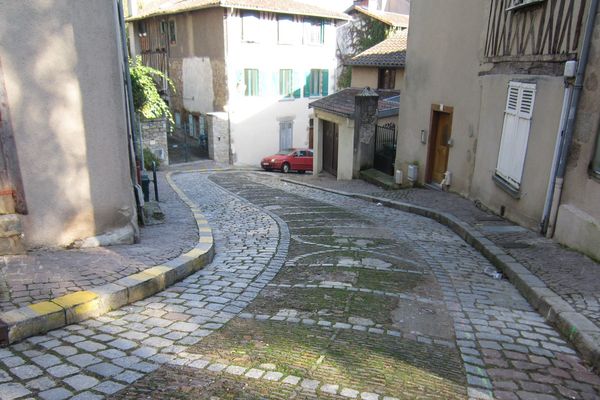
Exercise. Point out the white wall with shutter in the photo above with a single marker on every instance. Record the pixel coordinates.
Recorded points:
(515, 132)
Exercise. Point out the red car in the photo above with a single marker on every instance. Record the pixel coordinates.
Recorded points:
(289, 160)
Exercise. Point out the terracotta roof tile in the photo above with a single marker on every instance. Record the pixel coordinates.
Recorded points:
(343, 102)
(389, 53)
(165, 7)
(390, 18)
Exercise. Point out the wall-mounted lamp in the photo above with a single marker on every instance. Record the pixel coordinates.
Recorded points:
(423, 136)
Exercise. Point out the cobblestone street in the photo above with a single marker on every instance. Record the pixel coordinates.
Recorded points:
(310, 295)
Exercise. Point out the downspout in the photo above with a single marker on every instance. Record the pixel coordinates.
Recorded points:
(570, 128)
(129, 109)
(557, 152)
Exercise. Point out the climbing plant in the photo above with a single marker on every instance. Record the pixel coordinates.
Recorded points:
(363, 34)
(146, 97)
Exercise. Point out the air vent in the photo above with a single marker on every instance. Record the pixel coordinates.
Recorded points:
(517, 4)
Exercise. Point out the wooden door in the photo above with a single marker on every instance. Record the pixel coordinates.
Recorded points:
(286, 132)
(330, 147)
(439, 149)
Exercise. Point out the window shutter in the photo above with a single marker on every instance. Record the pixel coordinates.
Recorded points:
(325, 83)
(515, 132)
(527, 99)
(307, 84)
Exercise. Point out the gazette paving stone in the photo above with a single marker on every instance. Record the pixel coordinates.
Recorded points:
(449, 307)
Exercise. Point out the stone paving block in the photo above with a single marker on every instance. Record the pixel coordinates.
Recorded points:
(81, 382)
(56, 394)
(291, 380)
(62, 370)
(109, 387)
(10, 391)
(41, 384)
(105, 369)
(349, 393)
(26, 372)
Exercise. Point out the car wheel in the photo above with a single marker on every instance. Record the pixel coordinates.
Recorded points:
(285, 168)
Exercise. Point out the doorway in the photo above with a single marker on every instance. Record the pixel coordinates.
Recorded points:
(439, 143)
(286, 135)
(330, 147)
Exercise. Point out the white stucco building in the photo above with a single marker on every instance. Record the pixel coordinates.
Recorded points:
(254, 65)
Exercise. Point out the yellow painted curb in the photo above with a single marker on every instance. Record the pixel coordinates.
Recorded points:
(37, 318)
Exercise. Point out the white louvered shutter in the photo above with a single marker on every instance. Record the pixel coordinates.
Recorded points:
(515, 132)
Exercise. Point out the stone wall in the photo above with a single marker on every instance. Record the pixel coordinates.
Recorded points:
(154, 137)
(218, 137)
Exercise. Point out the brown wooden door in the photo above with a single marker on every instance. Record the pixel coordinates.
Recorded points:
(330, 147)
(441, 129)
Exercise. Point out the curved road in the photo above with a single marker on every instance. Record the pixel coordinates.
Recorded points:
(310, 295)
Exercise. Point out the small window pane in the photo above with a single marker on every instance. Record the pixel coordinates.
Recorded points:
(286, 82)
(315, 82)
(250, 26)
(314, 31)
(172, 32)
(251, 82)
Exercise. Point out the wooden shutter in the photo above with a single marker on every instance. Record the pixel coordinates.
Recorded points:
(515, 132)
(297, 83)
(307, 84)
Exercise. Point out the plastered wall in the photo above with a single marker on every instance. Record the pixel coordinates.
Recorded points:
(61, 66)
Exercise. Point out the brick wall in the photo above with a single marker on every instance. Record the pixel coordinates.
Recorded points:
(154, 137)
(218, 137)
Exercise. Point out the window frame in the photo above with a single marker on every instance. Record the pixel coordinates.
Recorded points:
(288, 25)
(251, 89)
(250, 30)
(386, 78)
(289, 81)
(310, 26)
(172, 31)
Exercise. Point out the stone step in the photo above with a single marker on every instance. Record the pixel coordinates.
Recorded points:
(11, 235)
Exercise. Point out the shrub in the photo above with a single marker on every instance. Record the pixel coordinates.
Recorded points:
(149, 156)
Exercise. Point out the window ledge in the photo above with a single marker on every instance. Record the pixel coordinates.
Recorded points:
(287, 99)
(505, 186)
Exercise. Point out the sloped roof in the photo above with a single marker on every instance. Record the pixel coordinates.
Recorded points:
(390, 18)
(164, 7)
(343, 102)
(389, 53)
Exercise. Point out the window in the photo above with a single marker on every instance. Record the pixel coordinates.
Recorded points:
(172, 32)
(250, 26)
(142, 29)
(288, 31)
(387, 78)
(515, 133)
(317, 83)
(286, 135)
(251, 82)
(286, 82)
(314, 31)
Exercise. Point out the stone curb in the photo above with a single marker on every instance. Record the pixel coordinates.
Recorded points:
(38, 318)
(583, 334)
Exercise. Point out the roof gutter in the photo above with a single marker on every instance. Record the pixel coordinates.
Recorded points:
(562, 160)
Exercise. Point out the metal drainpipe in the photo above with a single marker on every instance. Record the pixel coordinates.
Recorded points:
(556, 158)
(568, 137)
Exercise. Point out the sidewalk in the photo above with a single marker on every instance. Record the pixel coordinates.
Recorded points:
(568, 274)
(48, 273)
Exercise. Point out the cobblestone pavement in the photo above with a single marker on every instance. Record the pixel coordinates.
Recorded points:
(310, 296)
(46, 273)
(573, 276)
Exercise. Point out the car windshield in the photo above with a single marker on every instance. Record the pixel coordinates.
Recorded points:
(284, 152)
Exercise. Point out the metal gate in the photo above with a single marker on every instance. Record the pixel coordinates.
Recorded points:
(189, 140)
(385, 148)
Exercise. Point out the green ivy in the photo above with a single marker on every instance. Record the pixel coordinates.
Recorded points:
(146, 98)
